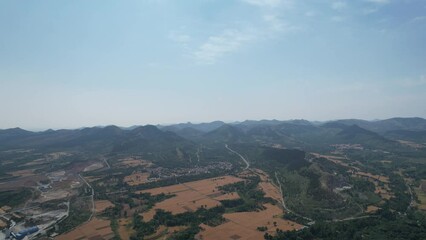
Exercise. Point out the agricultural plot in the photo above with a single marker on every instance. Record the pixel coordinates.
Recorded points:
(133, 162)
(124, 229)
(267, 187)
(101, 205)
(164, 232)
(243, 225)
(381, 184)
(93, 167)
(191, 196)
(372, 209)
(379, 178)
(98, 229)
(421, 195)
(136, 178)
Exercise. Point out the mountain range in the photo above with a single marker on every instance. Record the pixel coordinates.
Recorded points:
(293, 133)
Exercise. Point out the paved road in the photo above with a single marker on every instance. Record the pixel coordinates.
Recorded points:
(92, 196)
(106, 163)
(198, 155)
(242, 158)
(311, 221)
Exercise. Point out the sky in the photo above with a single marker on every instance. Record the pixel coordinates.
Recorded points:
(69, 64)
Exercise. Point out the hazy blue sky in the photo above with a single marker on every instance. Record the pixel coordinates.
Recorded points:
(66, 64)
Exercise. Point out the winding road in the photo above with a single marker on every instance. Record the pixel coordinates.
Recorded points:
(92, 197)
(245, 160)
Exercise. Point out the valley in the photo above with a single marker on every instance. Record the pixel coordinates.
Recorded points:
(249, 180)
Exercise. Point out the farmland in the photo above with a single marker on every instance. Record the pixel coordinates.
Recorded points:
(101, 205)
(136, 178)
(156, 189)
(193, 195)
(94, 229)
(243, 225)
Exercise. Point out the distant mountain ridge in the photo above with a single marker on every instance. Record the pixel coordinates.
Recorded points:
(109, 137)
(295, 133)
(392, 124)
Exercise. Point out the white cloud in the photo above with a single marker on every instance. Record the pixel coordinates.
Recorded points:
(179, 38)
(410, 83)
(368, 11)
(310, 14)
(264, 3)
(276, 24)
(232, 39)
(337, 19)
(418, 19)
(338, 5)
(379, 1)
(217, 46)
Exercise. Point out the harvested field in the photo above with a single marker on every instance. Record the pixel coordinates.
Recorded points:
(383, 190)
(339, 160)
(52, 195)
(267, 186)
(123, 230)
(131, 162)
(56, 176)
(411, 144)
(243, 225)
(96, 229)
(423, 186)
(23, 173)
(93, 167)
(22, 182)
(36, 162)
(3, 224)
(164, 232)
(191, 196)
(270, 190)
(372, 209)
(380, 178)
(421, 195)
(101, 205)
(136, 179)
(227, 196)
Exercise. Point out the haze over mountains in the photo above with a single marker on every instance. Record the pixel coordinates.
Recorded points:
(292, 133)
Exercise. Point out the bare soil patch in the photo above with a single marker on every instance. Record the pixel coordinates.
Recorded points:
(243, 225)
(101, 205)
(372, 209)
(133, 162)
(191, 196)
(123, 230)
(411, 144)
(23, 173)
(98, 229)
(93, 167)
(136, 178)
(367, 175)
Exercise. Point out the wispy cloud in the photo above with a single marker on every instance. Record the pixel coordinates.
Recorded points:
(264, 3)
(179, 37)
(368, 11)
(379, 1)
(217, 46)
(411, 83)
(277, 24)
(310, 14)
(338, 5)
(418, 19)
(233, 39)
(337, 19)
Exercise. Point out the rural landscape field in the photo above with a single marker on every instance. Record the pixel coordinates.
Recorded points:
(213, 120)
(250, 180)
